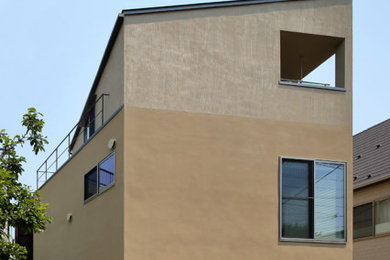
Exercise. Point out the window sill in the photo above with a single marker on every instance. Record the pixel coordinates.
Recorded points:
(315, 241)
(304, 84)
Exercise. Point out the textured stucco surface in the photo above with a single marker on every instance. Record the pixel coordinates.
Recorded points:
(377, 249)
(201, 186)
(205, 124)
(96, 229)
(227, 61)
(378, 191)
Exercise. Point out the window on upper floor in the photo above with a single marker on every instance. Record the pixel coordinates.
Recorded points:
(312, 201)
(309, 60)
(100, 177)
(371, 219)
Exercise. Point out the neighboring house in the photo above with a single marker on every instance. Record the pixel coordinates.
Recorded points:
(371, 151)
(199, 139)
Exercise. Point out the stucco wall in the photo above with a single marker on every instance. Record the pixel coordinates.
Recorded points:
(205, 124)
(378, 191)
(227, 61)
(377, 249)
(96, 229)
(201, 186)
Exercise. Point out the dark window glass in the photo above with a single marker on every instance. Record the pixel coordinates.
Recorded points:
(296, 218)
(297, 199)
(362, 221)
(90, 183)
(106, 172)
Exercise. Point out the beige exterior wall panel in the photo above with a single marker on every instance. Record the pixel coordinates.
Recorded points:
(96, 229)
(377, 249)
(227, 61)
(370, 193)
(201, 186)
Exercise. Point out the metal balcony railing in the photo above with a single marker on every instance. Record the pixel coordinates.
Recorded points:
(304, 83)
(90, 122)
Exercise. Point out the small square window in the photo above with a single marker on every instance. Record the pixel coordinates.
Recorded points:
(100, 177)
(312, 201)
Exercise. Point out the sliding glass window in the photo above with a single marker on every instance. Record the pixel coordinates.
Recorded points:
(312, 200)
(371, 219)
(100, 177)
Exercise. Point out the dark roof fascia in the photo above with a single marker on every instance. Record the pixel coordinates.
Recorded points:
(173, 8)
(106, 56)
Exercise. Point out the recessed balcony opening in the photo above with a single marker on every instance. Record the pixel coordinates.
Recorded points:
(309, 60)
(324, 73)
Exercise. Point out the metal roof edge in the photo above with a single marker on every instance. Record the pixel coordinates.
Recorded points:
(185, 7)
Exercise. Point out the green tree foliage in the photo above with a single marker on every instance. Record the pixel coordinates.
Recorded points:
(20, 206)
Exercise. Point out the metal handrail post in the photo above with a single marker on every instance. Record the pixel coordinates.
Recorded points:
(68, 146)
(56, 158)
(45, 170)
(102, 109)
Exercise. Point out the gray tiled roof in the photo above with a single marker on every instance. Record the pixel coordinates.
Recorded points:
(371, 154)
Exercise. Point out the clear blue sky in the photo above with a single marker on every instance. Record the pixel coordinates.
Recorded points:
(50, 52)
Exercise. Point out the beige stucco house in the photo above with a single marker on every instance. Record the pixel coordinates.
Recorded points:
(200, 139)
